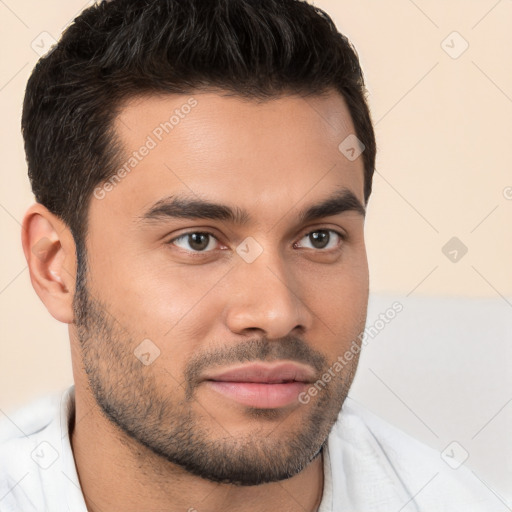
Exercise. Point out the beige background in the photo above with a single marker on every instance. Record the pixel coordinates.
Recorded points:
(444, 169)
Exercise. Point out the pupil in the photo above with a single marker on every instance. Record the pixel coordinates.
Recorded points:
(199, 241)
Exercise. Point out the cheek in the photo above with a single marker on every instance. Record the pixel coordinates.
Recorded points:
(172, 305)
(338, 292)
(339, 300)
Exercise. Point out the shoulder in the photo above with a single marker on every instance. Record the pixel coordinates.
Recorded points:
(388, 466)
(29, 418)
(21, 451)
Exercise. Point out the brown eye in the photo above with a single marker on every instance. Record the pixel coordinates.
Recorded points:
(194, 241)
(324, 239)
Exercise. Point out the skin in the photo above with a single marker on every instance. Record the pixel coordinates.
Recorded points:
(293, 303)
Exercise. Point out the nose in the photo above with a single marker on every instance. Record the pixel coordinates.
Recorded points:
(267, 297)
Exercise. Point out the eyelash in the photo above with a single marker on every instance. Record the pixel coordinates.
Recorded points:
(342, 236)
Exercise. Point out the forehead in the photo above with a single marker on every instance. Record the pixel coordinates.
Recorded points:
(267, 155)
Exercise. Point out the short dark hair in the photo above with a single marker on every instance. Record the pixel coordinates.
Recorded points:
(117, 49)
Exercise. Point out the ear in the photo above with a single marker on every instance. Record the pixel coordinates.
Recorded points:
(49, 249)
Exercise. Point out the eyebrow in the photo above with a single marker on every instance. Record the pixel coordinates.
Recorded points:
(183, 207)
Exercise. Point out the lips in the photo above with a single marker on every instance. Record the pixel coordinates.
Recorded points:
(266, 373)
(262, 385)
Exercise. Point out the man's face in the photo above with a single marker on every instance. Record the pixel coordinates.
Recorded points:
(199, 332)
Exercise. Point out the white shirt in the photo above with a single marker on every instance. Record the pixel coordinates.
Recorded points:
(369, 466)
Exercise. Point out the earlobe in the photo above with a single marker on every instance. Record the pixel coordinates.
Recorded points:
(50, 253)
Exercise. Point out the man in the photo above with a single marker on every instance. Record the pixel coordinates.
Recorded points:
(202, 171)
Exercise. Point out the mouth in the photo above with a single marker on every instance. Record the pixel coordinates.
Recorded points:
(262, 385)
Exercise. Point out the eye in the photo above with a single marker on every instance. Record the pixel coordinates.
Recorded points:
(203, 241)
(197, 241)
(322, 239)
